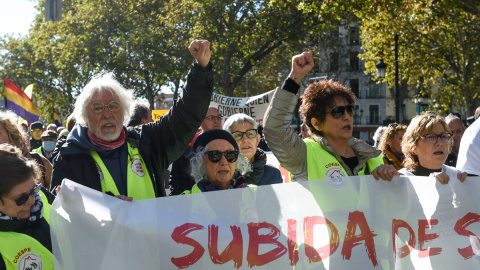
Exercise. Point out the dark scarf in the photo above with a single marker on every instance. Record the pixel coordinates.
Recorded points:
(256, 173)
(36, 211)
(238, 181)
(107, 145)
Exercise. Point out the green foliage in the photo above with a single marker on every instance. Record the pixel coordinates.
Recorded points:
(438, 46)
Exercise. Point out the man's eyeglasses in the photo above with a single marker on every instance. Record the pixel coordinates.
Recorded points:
(212, 118)
(113, 106)
(215, 156)
(251, 134)
(432, 138)
(24, 198)
(339, 111)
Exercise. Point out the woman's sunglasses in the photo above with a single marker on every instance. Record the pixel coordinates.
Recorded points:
(215, 156)
(339, 111)
(24, 198)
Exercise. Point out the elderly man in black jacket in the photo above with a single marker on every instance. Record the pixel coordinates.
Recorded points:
(103, 154)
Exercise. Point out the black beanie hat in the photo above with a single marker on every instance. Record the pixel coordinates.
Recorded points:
(214, 134)
(36, 125)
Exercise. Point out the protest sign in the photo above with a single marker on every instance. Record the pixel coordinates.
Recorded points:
(255, 106)
(156, 114)
(354, 223)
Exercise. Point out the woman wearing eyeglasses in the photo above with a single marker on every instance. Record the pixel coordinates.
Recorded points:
(426, 144)
(327, 109)
(24, 229)
(215, 161)
(244, 131)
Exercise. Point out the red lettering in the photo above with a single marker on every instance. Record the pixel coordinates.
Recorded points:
(179, 235)
(355, 219)
(423, 237)
(255, 259)
(405, 250)
(292, 241)
(234, 250)
(316, 255)
(461, 229)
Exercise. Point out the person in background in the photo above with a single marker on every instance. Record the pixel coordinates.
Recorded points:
(456, 126)
(49, 140)
(180, 178)
(10, 133)
(36, 130)
(215, 161)
(141, 114)
(63, 135)
(391, 145)
(59, 129)
(244, 131)
(377, 135)
(70, 122)
(52, 127)
(262, 144)
(131, 160)
(477, 112)
(305, 131)
(24, 213)
(327, 108)
(213, 120)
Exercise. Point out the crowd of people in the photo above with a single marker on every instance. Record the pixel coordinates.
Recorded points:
(111, 144)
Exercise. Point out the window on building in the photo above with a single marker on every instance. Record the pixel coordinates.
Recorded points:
(374, 114)
(354, 36)
(354, 61)
(374, 90)
(334, 61)
(357, 115)
(354, 85)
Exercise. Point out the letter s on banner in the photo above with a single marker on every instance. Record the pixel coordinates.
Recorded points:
(179, 235)
(461, 229)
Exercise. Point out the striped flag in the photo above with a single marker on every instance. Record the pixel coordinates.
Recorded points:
(57, 120)
(17, 101)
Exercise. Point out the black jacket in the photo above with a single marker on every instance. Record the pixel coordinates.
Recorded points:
(159, 143)
(180, 178)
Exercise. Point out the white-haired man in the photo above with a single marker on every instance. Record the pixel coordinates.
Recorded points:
(103, 154)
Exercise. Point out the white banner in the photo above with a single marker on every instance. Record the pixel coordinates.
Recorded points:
(255, 106)
(351, 223)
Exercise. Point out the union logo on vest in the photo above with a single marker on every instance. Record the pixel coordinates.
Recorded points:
(30, 261)
(137, 167)
(335, 177)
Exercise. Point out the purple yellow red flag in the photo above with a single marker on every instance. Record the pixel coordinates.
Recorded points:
(17, 101)
(56, 118)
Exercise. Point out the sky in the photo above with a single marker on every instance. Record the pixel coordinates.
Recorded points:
(16, 16)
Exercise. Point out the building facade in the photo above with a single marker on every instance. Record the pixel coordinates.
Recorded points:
(339, 59)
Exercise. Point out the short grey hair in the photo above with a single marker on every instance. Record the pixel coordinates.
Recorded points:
(452, 117)
(103, 81)
(239, 118)
(199, 171)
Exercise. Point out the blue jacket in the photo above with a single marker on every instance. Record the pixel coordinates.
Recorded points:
(261, 173)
